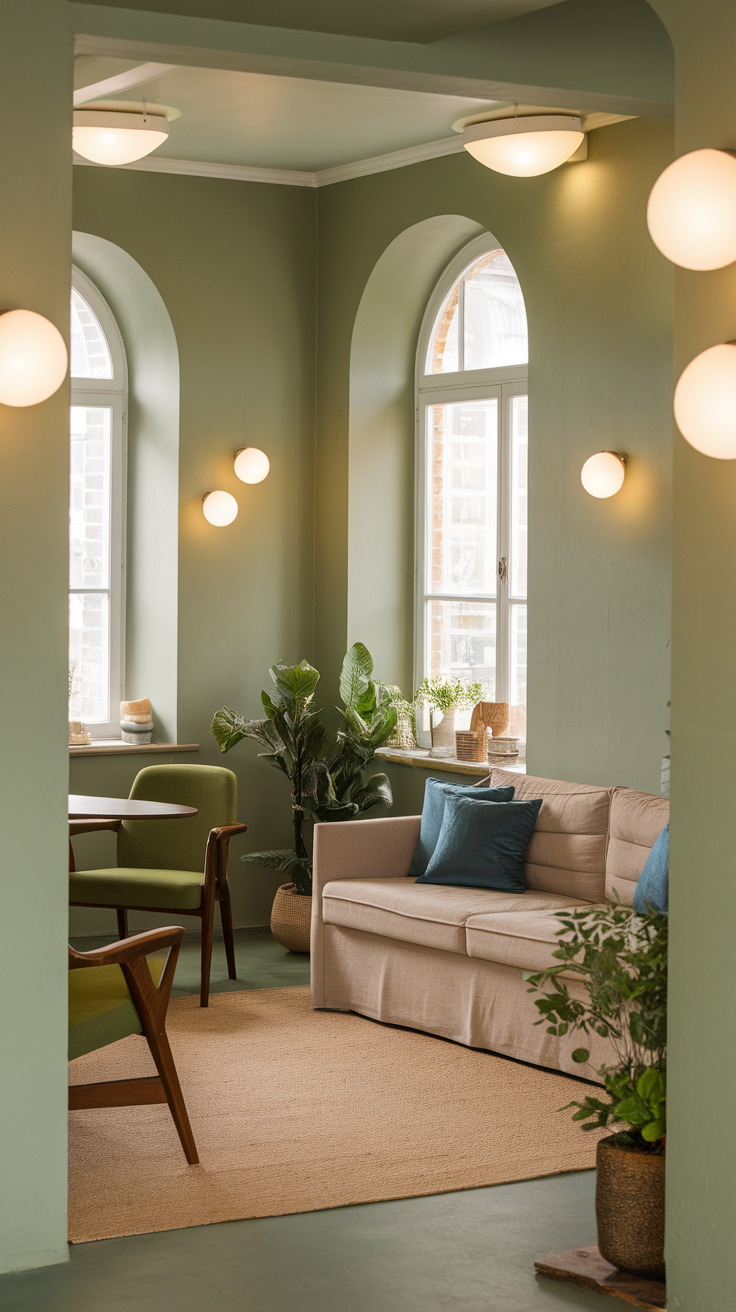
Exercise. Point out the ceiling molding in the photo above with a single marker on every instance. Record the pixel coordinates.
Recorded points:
(397, 159)
(135, 77)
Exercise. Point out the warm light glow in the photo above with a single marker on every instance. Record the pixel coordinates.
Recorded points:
(219, 508)
(524, 147)
(33, 358)
(705, 402)
(692, 210)
(112, 137)
(603, 474)
(251, 465)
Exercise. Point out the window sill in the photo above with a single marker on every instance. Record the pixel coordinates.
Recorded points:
(419, 757)
(115, 747)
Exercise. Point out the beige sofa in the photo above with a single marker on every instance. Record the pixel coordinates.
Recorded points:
(451, 960)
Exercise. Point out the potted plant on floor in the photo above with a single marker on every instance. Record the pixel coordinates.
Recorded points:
(620, 959)
(325, 769)
(448, 696)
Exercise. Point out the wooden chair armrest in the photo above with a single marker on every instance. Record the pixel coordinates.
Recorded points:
(128, 949)
(228, 831)
(92, 826)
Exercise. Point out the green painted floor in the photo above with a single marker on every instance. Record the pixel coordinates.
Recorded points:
(470, 1252)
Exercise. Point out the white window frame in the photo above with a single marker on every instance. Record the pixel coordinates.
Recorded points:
(112, 392)
(504, 383)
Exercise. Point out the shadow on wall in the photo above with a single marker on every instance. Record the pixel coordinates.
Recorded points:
(381, 490)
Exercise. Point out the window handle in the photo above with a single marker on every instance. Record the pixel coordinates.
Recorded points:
(502, 569)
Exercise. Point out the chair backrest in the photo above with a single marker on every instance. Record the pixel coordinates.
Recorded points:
(178, 844)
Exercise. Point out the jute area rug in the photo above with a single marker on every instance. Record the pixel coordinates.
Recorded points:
(294, 1110)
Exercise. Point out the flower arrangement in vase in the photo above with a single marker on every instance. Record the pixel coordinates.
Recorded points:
(447, 695)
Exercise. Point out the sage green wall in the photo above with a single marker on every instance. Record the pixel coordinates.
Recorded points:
(701, 1140)
(35, 245)
(599, 302)
(234, 264)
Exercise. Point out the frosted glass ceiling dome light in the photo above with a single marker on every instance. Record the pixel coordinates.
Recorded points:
(219, 508)
(692, 210)
(251, 465)
(114, 137)
(705, 402)
(603, 474)
(33, 358)
(524, 147)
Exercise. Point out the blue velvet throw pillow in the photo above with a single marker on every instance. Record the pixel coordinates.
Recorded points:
(482, 844)
(652, 891)
(435, 795)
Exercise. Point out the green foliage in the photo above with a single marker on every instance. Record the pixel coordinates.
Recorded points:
(325, 770)
(621, 961)
(447, 694)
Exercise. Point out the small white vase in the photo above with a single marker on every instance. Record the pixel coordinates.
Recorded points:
(443, 734)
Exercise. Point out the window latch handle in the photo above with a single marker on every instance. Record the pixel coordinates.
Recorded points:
(502, 568)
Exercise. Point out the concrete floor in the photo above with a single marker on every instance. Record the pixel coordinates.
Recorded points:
(472, 1251)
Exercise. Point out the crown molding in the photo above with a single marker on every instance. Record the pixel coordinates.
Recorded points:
(397, 159)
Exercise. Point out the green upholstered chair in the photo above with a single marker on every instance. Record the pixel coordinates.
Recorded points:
(170, 865)
(114, 992)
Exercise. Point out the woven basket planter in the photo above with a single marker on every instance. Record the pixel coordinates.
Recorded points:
(629, 1205)
(291, 918)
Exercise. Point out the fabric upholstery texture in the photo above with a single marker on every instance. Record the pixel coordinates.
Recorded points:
(435, 795)
(482, 844)
(521, 938)
(637, 820)
(101, 1010)
(652, 890)
(178, 844)
(175, 890)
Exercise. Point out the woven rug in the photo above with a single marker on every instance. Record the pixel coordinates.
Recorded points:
(294, 1110)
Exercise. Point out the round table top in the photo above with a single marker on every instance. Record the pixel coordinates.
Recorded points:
(124, 808)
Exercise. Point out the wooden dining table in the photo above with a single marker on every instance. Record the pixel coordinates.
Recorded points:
(124, 808)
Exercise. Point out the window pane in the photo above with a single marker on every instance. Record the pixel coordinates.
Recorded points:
(519, 447)
(443, 349)
(517, 691)
(89, 660)
(90, 352)
(495, 318)
(89, 500)
(462, 641)
(462, 482)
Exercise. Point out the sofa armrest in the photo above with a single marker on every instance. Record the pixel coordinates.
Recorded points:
(364, 849)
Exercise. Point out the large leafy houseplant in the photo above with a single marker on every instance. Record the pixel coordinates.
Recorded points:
(621, 961)
(325, 769)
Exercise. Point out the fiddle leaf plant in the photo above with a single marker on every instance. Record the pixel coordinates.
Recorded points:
(620, 959)
(325, 769)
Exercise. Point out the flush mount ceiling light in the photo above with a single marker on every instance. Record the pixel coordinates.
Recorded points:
(251, 465)
(117, 136)
(705, 402)
(524, 147)
(603, 474)
(33, 358)
(692, 210)
(219, 508)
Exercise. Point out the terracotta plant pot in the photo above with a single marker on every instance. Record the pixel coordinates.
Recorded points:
(291, 918)
(629, 1207)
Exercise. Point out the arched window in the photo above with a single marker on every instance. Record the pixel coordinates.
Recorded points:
(472, 465)
(96, 511)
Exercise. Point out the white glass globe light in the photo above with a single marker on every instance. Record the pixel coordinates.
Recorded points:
(705, 402)
(603, 474)
(114, 137)
(524, 147)
(33, 358)
(251, 465)
(692, 210)
(219, 508)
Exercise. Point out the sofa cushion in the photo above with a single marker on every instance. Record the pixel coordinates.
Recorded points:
(521, 938)
(433, 810)
(637, 820)
(567, 850)
(433, 915)
(482, 844)
(652, 891)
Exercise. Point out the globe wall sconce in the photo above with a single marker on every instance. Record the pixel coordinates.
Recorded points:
(524, 147)
(603, 474)
(251, 465)
(219, 508)
(705, 402)
(33, 358)
(691, 212)
(119, 136)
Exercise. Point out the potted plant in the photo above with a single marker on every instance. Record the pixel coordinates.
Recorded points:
(620, 959)
(446, 695)
(325, 769)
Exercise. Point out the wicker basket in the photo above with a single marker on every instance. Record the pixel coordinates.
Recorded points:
(291, 918)
(470, 744)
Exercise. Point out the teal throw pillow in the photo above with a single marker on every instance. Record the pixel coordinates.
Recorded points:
(652, 891)
(435, 795)
(482, 844)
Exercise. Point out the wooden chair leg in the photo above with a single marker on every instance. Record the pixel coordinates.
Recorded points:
(208, 928)
(226, 916)
(122, 915)
(158, 1042)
